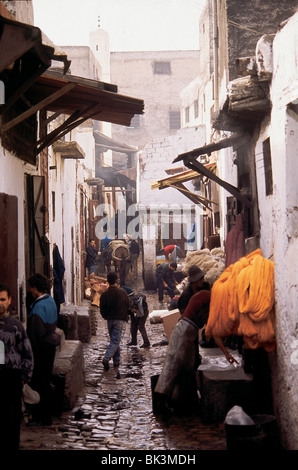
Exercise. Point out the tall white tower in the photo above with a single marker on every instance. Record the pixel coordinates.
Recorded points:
(100, 46)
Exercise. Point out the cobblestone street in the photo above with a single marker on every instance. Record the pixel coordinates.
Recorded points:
(114, 412)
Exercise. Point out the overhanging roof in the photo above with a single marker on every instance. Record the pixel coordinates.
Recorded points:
(176, 181)
(88, 98)
(80, 99)
(189, 159)
(116, 178)
(105, 143)
(16, 39)
(23, 59)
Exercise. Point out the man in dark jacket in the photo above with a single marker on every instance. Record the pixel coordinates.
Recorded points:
(41, 329)
(114, 307)
(196, 282)
(16, 367)
(165, 279)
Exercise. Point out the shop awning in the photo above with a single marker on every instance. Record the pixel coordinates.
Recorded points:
(189, 160)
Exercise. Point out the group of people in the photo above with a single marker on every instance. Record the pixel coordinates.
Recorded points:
(95, 258)
(26, 357)
(176, 387)
(117, 304)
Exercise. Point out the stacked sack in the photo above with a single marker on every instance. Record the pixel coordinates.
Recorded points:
(212, 262)
(242, 302)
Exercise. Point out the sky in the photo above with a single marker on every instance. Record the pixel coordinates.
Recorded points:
(132, 25)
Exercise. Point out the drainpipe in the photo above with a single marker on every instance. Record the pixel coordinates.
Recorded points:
(215, 54)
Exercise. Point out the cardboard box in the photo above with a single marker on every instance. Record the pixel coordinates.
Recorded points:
(169, 320)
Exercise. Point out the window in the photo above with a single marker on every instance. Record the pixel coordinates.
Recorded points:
(174, 117)
(196, 108)
(267, 167)
(186, 114)
(53, 206)
(162, 68)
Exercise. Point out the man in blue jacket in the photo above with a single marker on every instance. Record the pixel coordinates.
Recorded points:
(41, 328)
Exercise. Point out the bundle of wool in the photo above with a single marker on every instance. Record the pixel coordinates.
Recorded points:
(211, 262)
(242, 302)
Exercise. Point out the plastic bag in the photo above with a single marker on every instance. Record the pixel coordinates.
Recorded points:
(236, 415)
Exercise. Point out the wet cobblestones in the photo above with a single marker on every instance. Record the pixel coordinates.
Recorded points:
(114, 411)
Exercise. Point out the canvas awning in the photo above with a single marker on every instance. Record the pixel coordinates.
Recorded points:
(189, 159)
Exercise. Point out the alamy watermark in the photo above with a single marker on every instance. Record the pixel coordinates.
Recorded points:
(145, 222)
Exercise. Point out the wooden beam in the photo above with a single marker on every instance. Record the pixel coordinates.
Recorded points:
(192, 196)
(73, 121)
(42, 104)
(195, 165)
(22, 88)
(207, 149)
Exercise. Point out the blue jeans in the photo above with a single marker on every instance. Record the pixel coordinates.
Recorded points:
(92, 269)
(115, 328)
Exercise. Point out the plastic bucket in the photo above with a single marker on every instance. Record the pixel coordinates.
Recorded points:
(263, 434)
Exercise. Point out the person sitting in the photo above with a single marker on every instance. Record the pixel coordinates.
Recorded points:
(176, 387)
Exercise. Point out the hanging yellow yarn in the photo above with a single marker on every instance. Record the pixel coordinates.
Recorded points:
(242, 302)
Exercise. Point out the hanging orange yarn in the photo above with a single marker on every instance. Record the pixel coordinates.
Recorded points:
(242, 302)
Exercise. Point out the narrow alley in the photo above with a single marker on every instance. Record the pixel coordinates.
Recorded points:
(115, 409)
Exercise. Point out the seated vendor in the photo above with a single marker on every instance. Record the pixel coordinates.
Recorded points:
(176, 386)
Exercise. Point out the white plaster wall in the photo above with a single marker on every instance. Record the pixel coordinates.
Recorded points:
(12, 182)
(227, 171)
(158, 157)
(65, 181)
(279, 223)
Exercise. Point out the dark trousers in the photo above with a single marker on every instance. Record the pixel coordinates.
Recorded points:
(44, 357)
(138, 324)
(10, 409)
(160, 288)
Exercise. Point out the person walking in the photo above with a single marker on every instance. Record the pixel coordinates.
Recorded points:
(114, 307)
(165, 279)
(16, 368)
(139, 312)
(42, 322)
(91, 257)
(134, 251)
